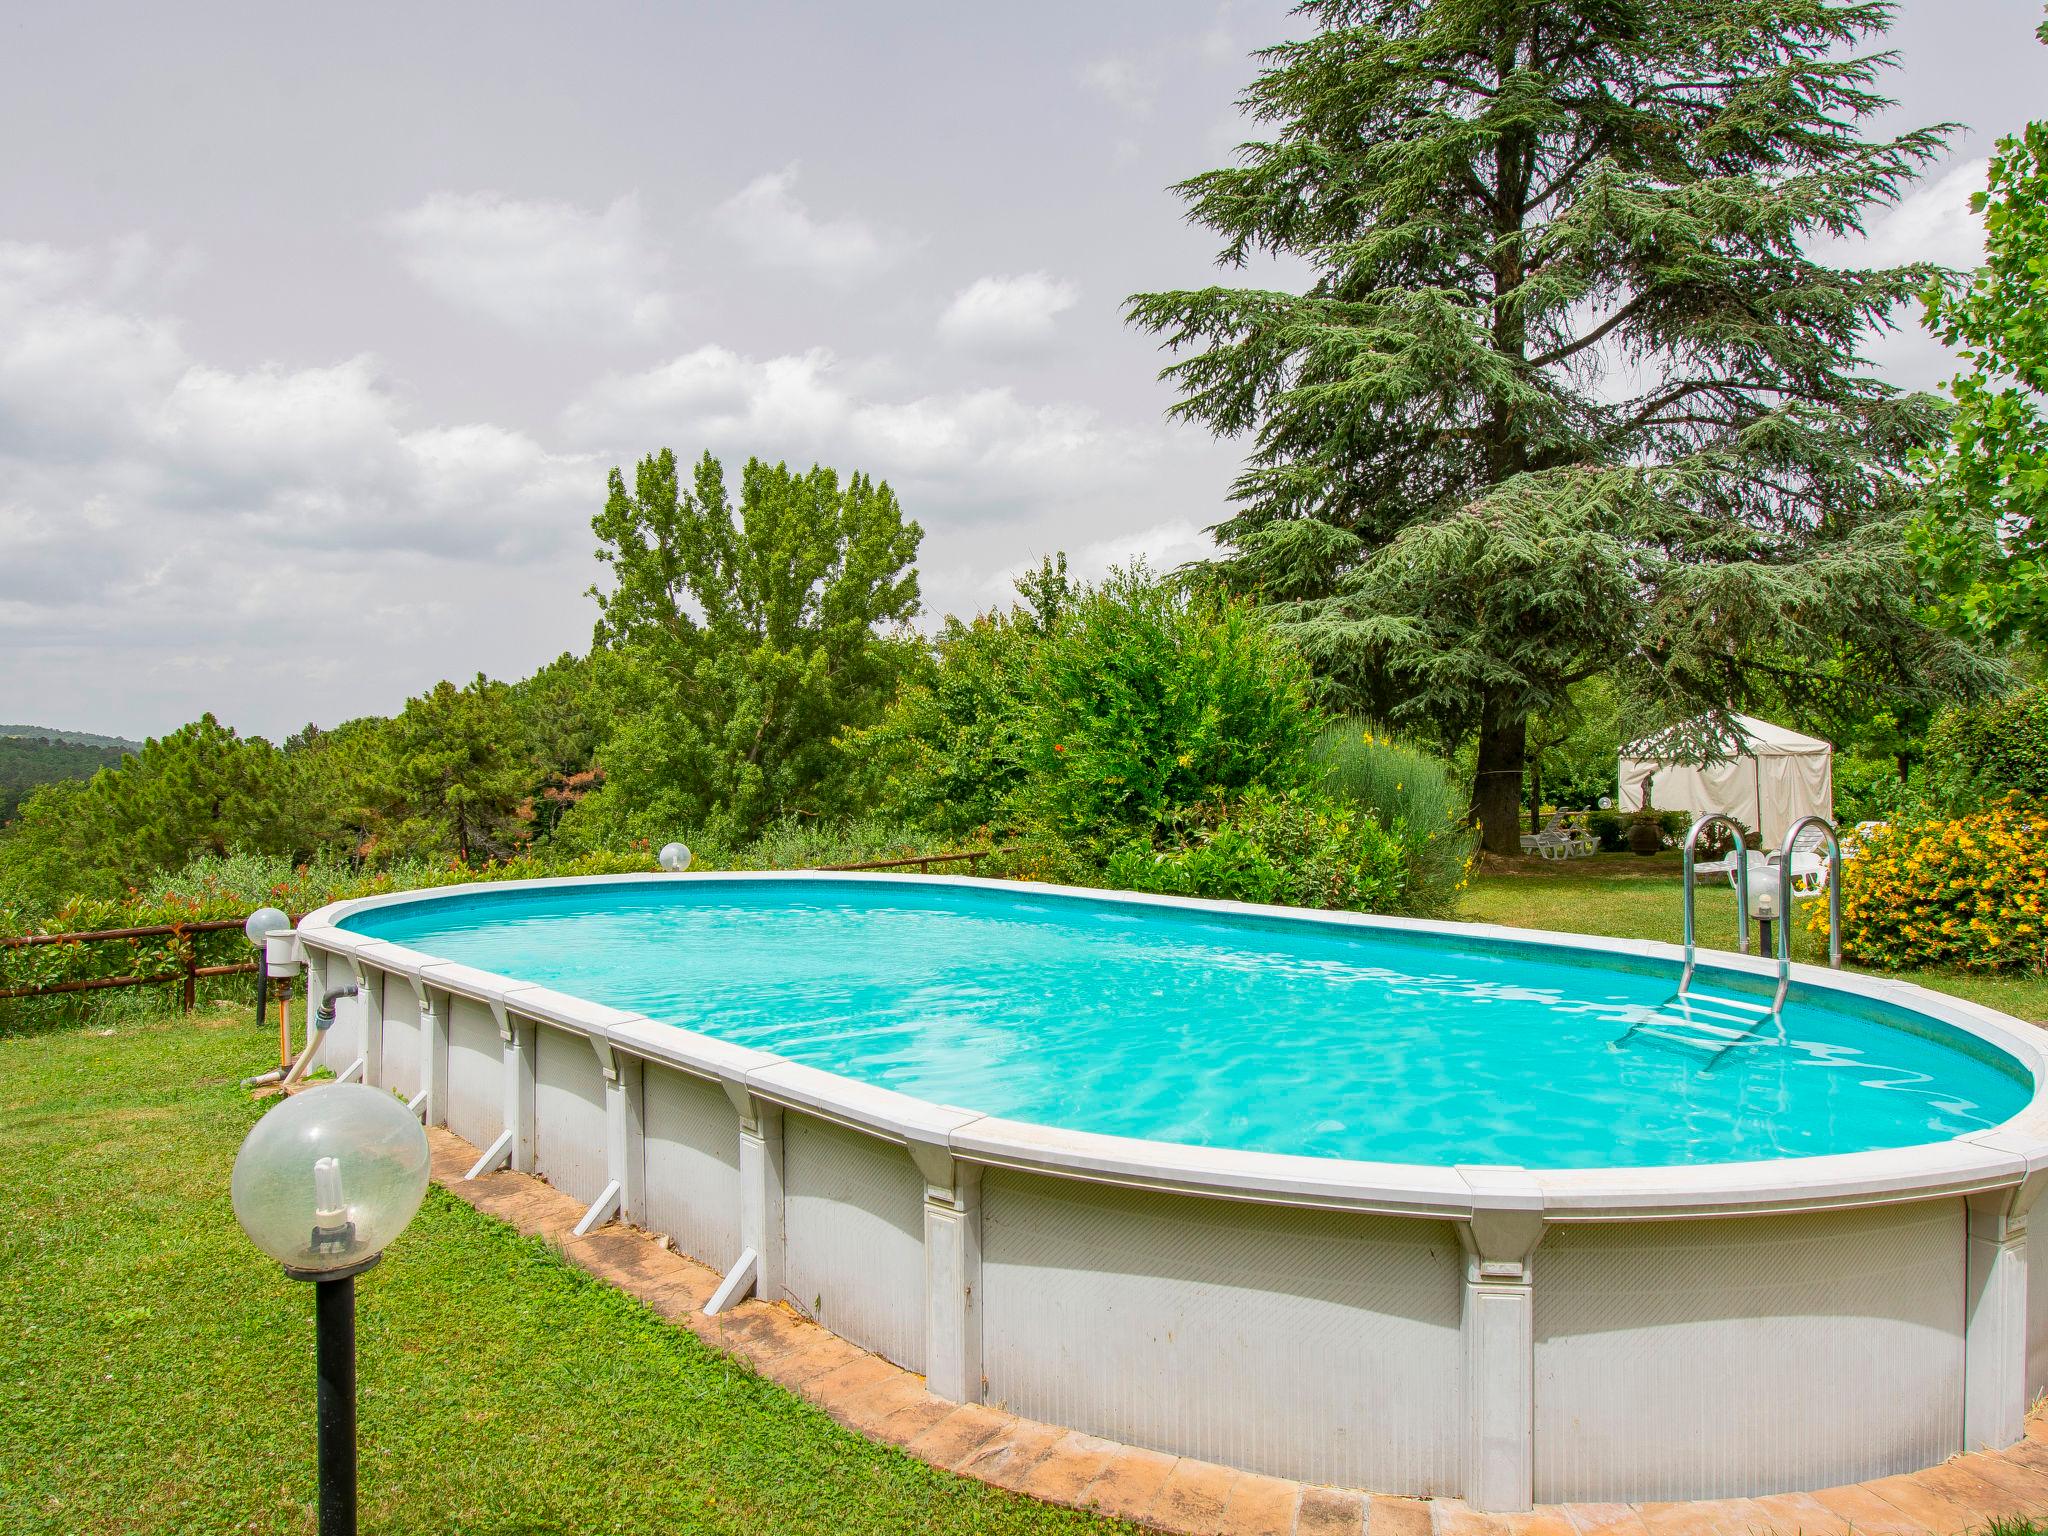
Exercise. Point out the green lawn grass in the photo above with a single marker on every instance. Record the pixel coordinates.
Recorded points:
(1631, 897)
(156, 1371)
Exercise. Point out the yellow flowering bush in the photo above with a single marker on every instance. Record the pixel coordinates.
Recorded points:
(1971, 893)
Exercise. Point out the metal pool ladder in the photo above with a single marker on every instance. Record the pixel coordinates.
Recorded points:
(1714, 1024)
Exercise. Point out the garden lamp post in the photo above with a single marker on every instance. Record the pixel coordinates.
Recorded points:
(675, 857)
(1763, 906)
(261, 923)
(323, 1184)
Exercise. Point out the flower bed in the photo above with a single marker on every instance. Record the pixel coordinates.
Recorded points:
(1970, 893)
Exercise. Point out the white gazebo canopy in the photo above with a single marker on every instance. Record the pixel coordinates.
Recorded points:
(1767, 780)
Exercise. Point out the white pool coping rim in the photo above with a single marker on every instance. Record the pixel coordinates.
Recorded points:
(2000, 1157)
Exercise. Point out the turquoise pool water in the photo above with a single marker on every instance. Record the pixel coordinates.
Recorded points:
(1183, 1026)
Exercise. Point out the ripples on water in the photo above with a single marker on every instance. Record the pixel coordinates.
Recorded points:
(1271, 1037)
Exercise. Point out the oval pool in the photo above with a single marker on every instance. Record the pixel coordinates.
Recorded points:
(1227, 1030)
(1394, 1205)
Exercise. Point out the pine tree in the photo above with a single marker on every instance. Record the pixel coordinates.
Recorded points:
(451, 774)
(1566, 395)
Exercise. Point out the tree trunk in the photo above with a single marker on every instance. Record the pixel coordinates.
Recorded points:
(1497, 783)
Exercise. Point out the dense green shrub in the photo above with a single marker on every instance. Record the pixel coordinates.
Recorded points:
(1408, 793)
(1084, 716)
(1299, 850)
(950, 751)
(1870, 789)
(806, 842)
(1971, 892)
(1143, 734)
(1979, 754)
(1610, 827)
(1145, 700)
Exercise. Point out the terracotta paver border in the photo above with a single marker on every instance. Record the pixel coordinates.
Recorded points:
(1180, 1493)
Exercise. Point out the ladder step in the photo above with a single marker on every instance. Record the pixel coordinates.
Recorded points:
(1722, 1000)
(1685, 1012)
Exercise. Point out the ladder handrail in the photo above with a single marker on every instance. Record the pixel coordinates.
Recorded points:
(1785, 877)
(1692, 837)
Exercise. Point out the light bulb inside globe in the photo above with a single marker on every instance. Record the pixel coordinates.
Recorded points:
(329, 1177)
(675, 857)
(330, 1211)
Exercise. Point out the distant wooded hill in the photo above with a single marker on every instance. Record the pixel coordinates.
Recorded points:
(72, 738)
(32, 754)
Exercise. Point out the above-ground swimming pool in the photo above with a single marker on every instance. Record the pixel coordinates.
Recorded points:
(1221, 1030)
(1424, 1208)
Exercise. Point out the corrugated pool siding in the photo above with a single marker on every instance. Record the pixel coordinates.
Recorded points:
(1307, 1344)
(1747, 1355)
(401, 1036)
(692, 1148)
(854, 1213)
(569, 1123)
(476, 1073)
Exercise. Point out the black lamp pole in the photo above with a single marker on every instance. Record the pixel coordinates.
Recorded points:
(334, 1370)
(335, 1356)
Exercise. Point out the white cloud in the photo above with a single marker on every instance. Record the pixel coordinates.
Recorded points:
(1932, 222)
(1006, 314)
(1129, 86)
(1164, 547)
(122, 456)
(772, 223)
(538, 266)
(185, 536)
(969, 447)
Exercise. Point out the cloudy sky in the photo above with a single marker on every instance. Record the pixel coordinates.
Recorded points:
(319, 328)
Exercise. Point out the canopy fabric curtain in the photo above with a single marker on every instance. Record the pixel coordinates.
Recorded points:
(1772, 777)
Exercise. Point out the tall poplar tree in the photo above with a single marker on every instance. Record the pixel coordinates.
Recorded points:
(755, 632)
(1566, 395)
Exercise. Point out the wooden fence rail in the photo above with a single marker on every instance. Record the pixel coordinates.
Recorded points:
(91, 935)
(921, 861)
(190, 973)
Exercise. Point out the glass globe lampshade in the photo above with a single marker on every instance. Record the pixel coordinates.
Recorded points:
(329, 1177)
(675, 857)
(264, 920)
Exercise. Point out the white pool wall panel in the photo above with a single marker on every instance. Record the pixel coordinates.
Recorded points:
(1317, 1345)
(691, 1160)
(476, 1073)
(854, 1219)
(569, 1114)
(401, 1013)
(1716, 1359)
(1702, 1331)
